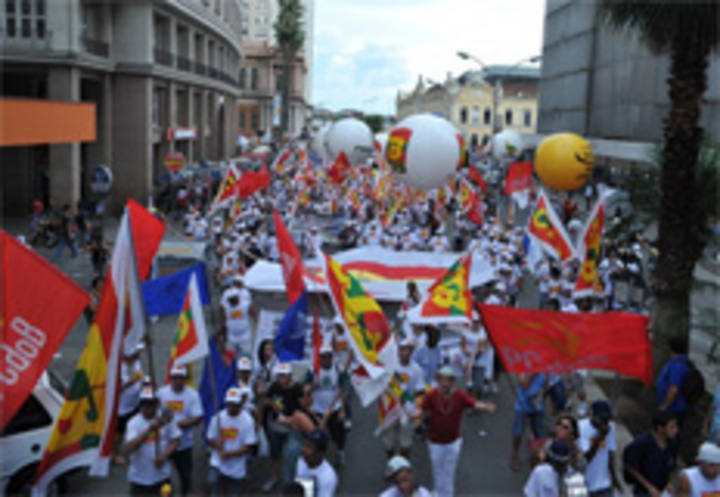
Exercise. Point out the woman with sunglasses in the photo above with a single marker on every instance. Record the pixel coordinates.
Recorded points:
(566, 429)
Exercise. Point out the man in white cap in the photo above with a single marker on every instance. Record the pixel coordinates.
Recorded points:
(398, 436)
(442, 409)
(400, 473)
(329, 389)
(243, 377)
(236, 311)
(184, 403)
(150, 441)
(231, 436)
(702, 480)
(131, 376)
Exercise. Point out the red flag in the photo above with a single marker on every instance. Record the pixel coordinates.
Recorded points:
(290, 260)
(316, 341)
(252, 181)
(519, 177)
(475, 214)
(530, 341)
(33, 319)
(475, 176)
(339, 170)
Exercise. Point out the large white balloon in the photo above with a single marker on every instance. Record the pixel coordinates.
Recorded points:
(507, 145)
(351, 136)
(318, 141)
(381, 141)
(423, 151)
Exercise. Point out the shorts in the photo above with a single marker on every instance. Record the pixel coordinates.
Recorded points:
(398, 435)
(536, 424)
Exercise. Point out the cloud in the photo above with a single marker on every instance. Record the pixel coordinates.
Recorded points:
(367, 50)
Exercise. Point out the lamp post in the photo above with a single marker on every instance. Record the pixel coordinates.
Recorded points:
(497, 87)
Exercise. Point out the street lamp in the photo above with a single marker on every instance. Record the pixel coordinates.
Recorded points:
(497, 87)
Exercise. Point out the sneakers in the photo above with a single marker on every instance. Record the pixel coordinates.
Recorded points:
(482, 433)
(348, 425)
(269, 485)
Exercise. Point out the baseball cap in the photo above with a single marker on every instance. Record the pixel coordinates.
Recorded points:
(601, 409)
(147, 394)
(559, 451)
(233, 396)
(244, 364)
(395, 464)
(446, 371)
(407, 342)
(282, 368)
(237, 279)
(709, 452)
(178, 371)
(326, 349)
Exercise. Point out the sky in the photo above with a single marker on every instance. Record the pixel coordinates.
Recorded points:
(365, 50)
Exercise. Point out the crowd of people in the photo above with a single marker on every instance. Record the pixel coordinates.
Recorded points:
(301, 422)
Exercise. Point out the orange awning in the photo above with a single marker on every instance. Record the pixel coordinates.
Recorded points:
(33, 122)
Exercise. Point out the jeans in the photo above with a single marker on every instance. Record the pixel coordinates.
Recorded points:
(443, 462)
(536, 424)
(62, 242)
(183, 461)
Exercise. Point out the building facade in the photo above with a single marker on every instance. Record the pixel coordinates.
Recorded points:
(262, 70)
(605, 83)
(468, 101)
(162, 73)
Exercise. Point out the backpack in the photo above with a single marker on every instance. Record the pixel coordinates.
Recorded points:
(693, 386)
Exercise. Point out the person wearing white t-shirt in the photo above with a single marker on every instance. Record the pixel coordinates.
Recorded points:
(400, 473)
(313, 465)
(236, 307)
(244, 378)
(546, 479)
(704, 479)
(131, 376)
(597, 442)
(397, 437)
(150, 441)
(231, 436)
(184, 402)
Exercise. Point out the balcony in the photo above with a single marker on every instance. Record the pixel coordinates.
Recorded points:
(96, 47)
(212, 72)
(183, 63)
(163, 57)
(200, 68)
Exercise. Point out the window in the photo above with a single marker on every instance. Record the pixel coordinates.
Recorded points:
(25, 7)
(463, 115)
(508, 117)
(10, 6)
(40, 28)
(10, 27)
(475, 114)
(242, 77)
(26, 29)
(217, 6)
(254, 120)
(31, 415)
(242, 121)
(528, 118)
(254, 78)
(487, 116)
(474, 140)
(40, 7)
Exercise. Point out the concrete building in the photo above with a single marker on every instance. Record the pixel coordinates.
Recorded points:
(262, 69)
(467, 101)
(606, 84)
(162, 73)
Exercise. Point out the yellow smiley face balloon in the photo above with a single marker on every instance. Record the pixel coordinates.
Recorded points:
(564, 161)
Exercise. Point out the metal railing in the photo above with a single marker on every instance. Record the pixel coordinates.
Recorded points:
(164, 57)
(96, 47)
(183, 63)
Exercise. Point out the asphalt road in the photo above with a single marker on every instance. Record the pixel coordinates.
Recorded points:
(483, 467)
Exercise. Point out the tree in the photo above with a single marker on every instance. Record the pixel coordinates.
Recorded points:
(688, 31)
(289, 36)
(374, 121)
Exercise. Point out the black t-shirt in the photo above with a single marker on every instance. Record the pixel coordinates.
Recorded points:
(655, 464)
(282, 397)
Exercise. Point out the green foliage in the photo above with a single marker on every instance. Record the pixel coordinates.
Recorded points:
(665, 23)
(289, 31)
(375, 121)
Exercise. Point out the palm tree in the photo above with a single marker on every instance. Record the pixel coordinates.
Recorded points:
(289, 36)
(688, 31)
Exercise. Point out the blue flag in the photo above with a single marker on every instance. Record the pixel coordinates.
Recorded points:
(224, 379)
(290, 336)
(165, 295)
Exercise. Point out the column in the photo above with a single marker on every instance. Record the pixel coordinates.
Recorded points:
(64, 170)
(172, 117)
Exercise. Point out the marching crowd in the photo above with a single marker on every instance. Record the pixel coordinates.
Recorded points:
(299, 422)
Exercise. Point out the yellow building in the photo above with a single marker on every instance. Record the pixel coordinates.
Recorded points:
(467, 101)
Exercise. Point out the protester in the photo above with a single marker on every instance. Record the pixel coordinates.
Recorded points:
(597, 441)
(428, 355)
(651, 458)
(184, 403)
(231, 437)
(313, 465)
(702, 480)
(529, 408)
(65, 234)
(547, 478)
(236, 311)
(150, 440)
(442, 410)
(400, 473)
(131, 376)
